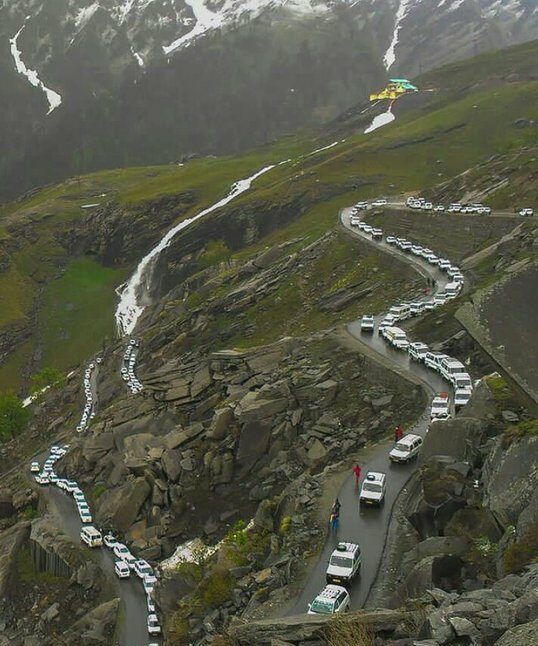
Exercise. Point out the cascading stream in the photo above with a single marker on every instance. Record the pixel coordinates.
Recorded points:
(130, 307)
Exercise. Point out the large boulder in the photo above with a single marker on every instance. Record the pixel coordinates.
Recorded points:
(510, 477)
(453, 438)
(522, 635)
(222, 419)
(6, 503)
(121, 506)
(11, 541)
(96, 627)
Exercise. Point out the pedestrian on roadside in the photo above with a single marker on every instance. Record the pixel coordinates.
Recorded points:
(398, 433)
(357, 472)
(334, 522)
(336, 507)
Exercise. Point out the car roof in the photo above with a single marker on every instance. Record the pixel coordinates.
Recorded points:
(375, 476)
(346, 548)
(410, 437)
(331, 591)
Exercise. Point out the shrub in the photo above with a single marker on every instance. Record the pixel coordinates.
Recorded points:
(517, 431)
(522, 552)
(348, 630)
(178, 629)
(217, 588)
(47, 377)
(285, 525)
(13, 416)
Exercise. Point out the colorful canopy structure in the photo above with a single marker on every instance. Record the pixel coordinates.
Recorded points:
(394, 89)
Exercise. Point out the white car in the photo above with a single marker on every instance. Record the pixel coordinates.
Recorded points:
(41, 479)
(121, 550)
(391, 240)
(34, 467)
(344, 564)
(149, 582)
(373, 489)
(380, 202)
(91, 536)
(406, 449)
(418, 350)
(461, 397)
(70, 486)
(527, 212)
(151, 604)
(143, 568)
(405, 246)
(396, 337)
(122, 570)
(439, 208)
(367, 323)
(110, 540)
(440, 407)
(333, 599)
(85, 516)
(154, 628)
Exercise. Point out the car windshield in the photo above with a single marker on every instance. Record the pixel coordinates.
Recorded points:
(372, 486)
(341, 561)
(401, 446)
(322, 606)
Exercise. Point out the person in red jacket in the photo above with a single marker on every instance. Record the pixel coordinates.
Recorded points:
(357, 472)
(398, 433)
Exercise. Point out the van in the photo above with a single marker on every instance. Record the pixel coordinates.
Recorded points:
(450, 367)
(122, 570)
(462, 380)
(333, 599)
(373, 489)
(354, 220)
(367, 323)
(461, 397)
(344, 564)
(396, 337)
(440, 407)
(377, 234)
(401, 312)
(406, 449)
(433, 360)
(417, 308)
(418, 350)
(91, 536)
(452, 289)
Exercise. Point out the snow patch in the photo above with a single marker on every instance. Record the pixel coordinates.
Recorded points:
(318, 150)
(232, 11)
(85, 14)
(381, 120)
(390, 55)
(53, 98)
(130, 306)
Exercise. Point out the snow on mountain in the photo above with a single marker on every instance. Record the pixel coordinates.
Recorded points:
(53, 98)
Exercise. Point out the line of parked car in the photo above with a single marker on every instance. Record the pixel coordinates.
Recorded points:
(128, 367)
(423, 204)
(124, 561)
(345, 561)
(88, 413)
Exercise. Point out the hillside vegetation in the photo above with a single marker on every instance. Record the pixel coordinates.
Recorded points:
(60, 262)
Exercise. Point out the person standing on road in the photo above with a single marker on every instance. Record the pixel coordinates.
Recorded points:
(357, 472)
(398, 433)
(334, 522)
(336, 507)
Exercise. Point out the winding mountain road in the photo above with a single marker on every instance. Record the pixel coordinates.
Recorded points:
(369, 527)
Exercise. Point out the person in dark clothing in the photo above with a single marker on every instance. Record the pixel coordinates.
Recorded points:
(336, 507)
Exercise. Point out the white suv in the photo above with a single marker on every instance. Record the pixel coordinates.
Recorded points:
(331, 600)
(440, 407)
(373, 489)
(406, 449)
(344, 564)
(367, 323)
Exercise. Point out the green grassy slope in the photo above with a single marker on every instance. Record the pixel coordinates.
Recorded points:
(469, 117)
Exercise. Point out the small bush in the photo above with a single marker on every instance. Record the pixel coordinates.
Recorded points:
(217, 588)
(343, 630)
(13, 416)
(285, 525)
(523, 552)
(178, 629)
(517, 431)
(502, 393)
(29, 513)
(47, 377)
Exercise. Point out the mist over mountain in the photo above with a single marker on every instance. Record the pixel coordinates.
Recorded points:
(89, 84)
